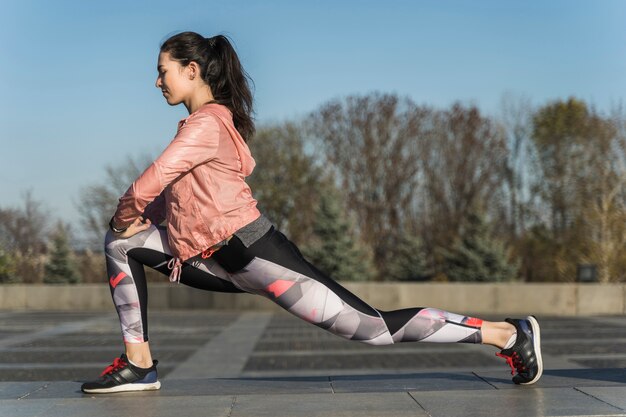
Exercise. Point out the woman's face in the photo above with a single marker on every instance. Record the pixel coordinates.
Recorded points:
(174, 80)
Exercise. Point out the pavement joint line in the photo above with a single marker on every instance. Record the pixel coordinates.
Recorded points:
(596, 398)
(43, 387)
(418, 403)
(483, 379)
(238, 340)
(50, 331)
(232, 406)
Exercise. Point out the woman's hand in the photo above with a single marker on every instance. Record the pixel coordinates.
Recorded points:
(139, 225)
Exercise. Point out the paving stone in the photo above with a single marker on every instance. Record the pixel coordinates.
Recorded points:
(116, 340)
(206, 318)
(615, 396)
(427, 381)
(37, 374)
(65, 372)
(591, 347)
(15, 390)
(129, 406)
(175, 388)
(601, 363)
(553, 378)
(370, 361)
(53, 389)
(327, 405)
(521, 402)
(47, 317)
(26, 357)
(370, 380)
(292, 343)
(298, 333)
(96, 355)
(20, 408)
(208, 406)
(242, 386)
(5, 333)
(234, 345)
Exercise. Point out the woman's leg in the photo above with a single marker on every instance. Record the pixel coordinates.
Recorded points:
(125, 260)
(275, 268)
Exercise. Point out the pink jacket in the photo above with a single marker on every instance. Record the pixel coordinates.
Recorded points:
(197, 184)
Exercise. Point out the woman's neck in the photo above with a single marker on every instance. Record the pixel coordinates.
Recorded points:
(199, 99)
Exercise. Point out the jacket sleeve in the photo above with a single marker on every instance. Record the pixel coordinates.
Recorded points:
(195, 143)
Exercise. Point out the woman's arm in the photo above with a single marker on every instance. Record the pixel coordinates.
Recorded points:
(195, 143)
(155, 211)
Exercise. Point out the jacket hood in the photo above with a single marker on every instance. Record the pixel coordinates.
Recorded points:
(225, 116)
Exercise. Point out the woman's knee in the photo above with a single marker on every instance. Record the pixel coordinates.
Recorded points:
(114, 245)
(108, 236)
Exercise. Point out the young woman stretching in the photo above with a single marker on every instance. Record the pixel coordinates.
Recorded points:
(216, 239)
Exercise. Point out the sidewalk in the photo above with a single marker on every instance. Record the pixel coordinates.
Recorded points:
(219, 363)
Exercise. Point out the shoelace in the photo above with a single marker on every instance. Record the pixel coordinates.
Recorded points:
(118, 363)
(514, 361)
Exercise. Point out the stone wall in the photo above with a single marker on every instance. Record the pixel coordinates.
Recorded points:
(569, 299)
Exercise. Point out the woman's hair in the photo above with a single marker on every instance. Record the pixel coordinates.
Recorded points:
(221, 70)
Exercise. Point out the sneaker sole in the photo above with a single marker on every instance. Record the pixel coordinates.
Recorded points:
(126, 388)
(537, 346)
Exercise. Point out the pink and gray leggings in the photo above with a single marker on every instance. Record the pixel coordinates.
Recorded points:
(274, 268)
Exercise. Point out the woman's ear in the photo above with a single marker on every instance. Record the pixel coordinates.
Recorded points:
(193, 70)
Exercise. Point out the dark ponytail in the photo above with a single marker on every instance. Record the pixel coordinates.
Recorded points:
(221, 70)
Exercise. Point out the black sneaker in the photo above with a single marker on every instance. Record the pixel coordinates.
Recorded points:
(524, 357)
(122, 376)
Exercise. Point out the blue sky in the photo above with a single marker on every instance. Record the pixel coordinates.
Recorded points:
(77, 77)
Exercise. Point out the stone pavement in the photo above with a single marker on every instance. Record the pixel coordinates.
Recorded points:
(225, 363)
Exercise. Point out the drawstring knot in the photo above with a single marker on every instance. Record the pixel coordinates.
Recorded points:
(175, 265)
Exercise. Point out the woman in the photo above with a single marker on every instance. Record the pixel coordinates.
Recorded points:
(216, 238)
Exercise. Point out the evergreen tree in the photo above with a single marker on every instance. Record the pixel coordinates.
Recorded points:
(334, 249)
(60, 266)
(408, 262)
(477, 257)
(7, 267)
(284, 164)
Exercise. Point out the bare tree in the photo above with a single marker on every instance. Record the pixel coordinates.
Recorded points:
(583, 184)
(286, 181)
(516, 113)
(465, 167)
(97, 202)
(23, 234)
(561, 132)
(604, 215)
(372, 142)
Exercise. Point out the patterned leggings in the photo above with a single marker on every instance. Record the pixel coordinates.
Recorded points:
(274, 268)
